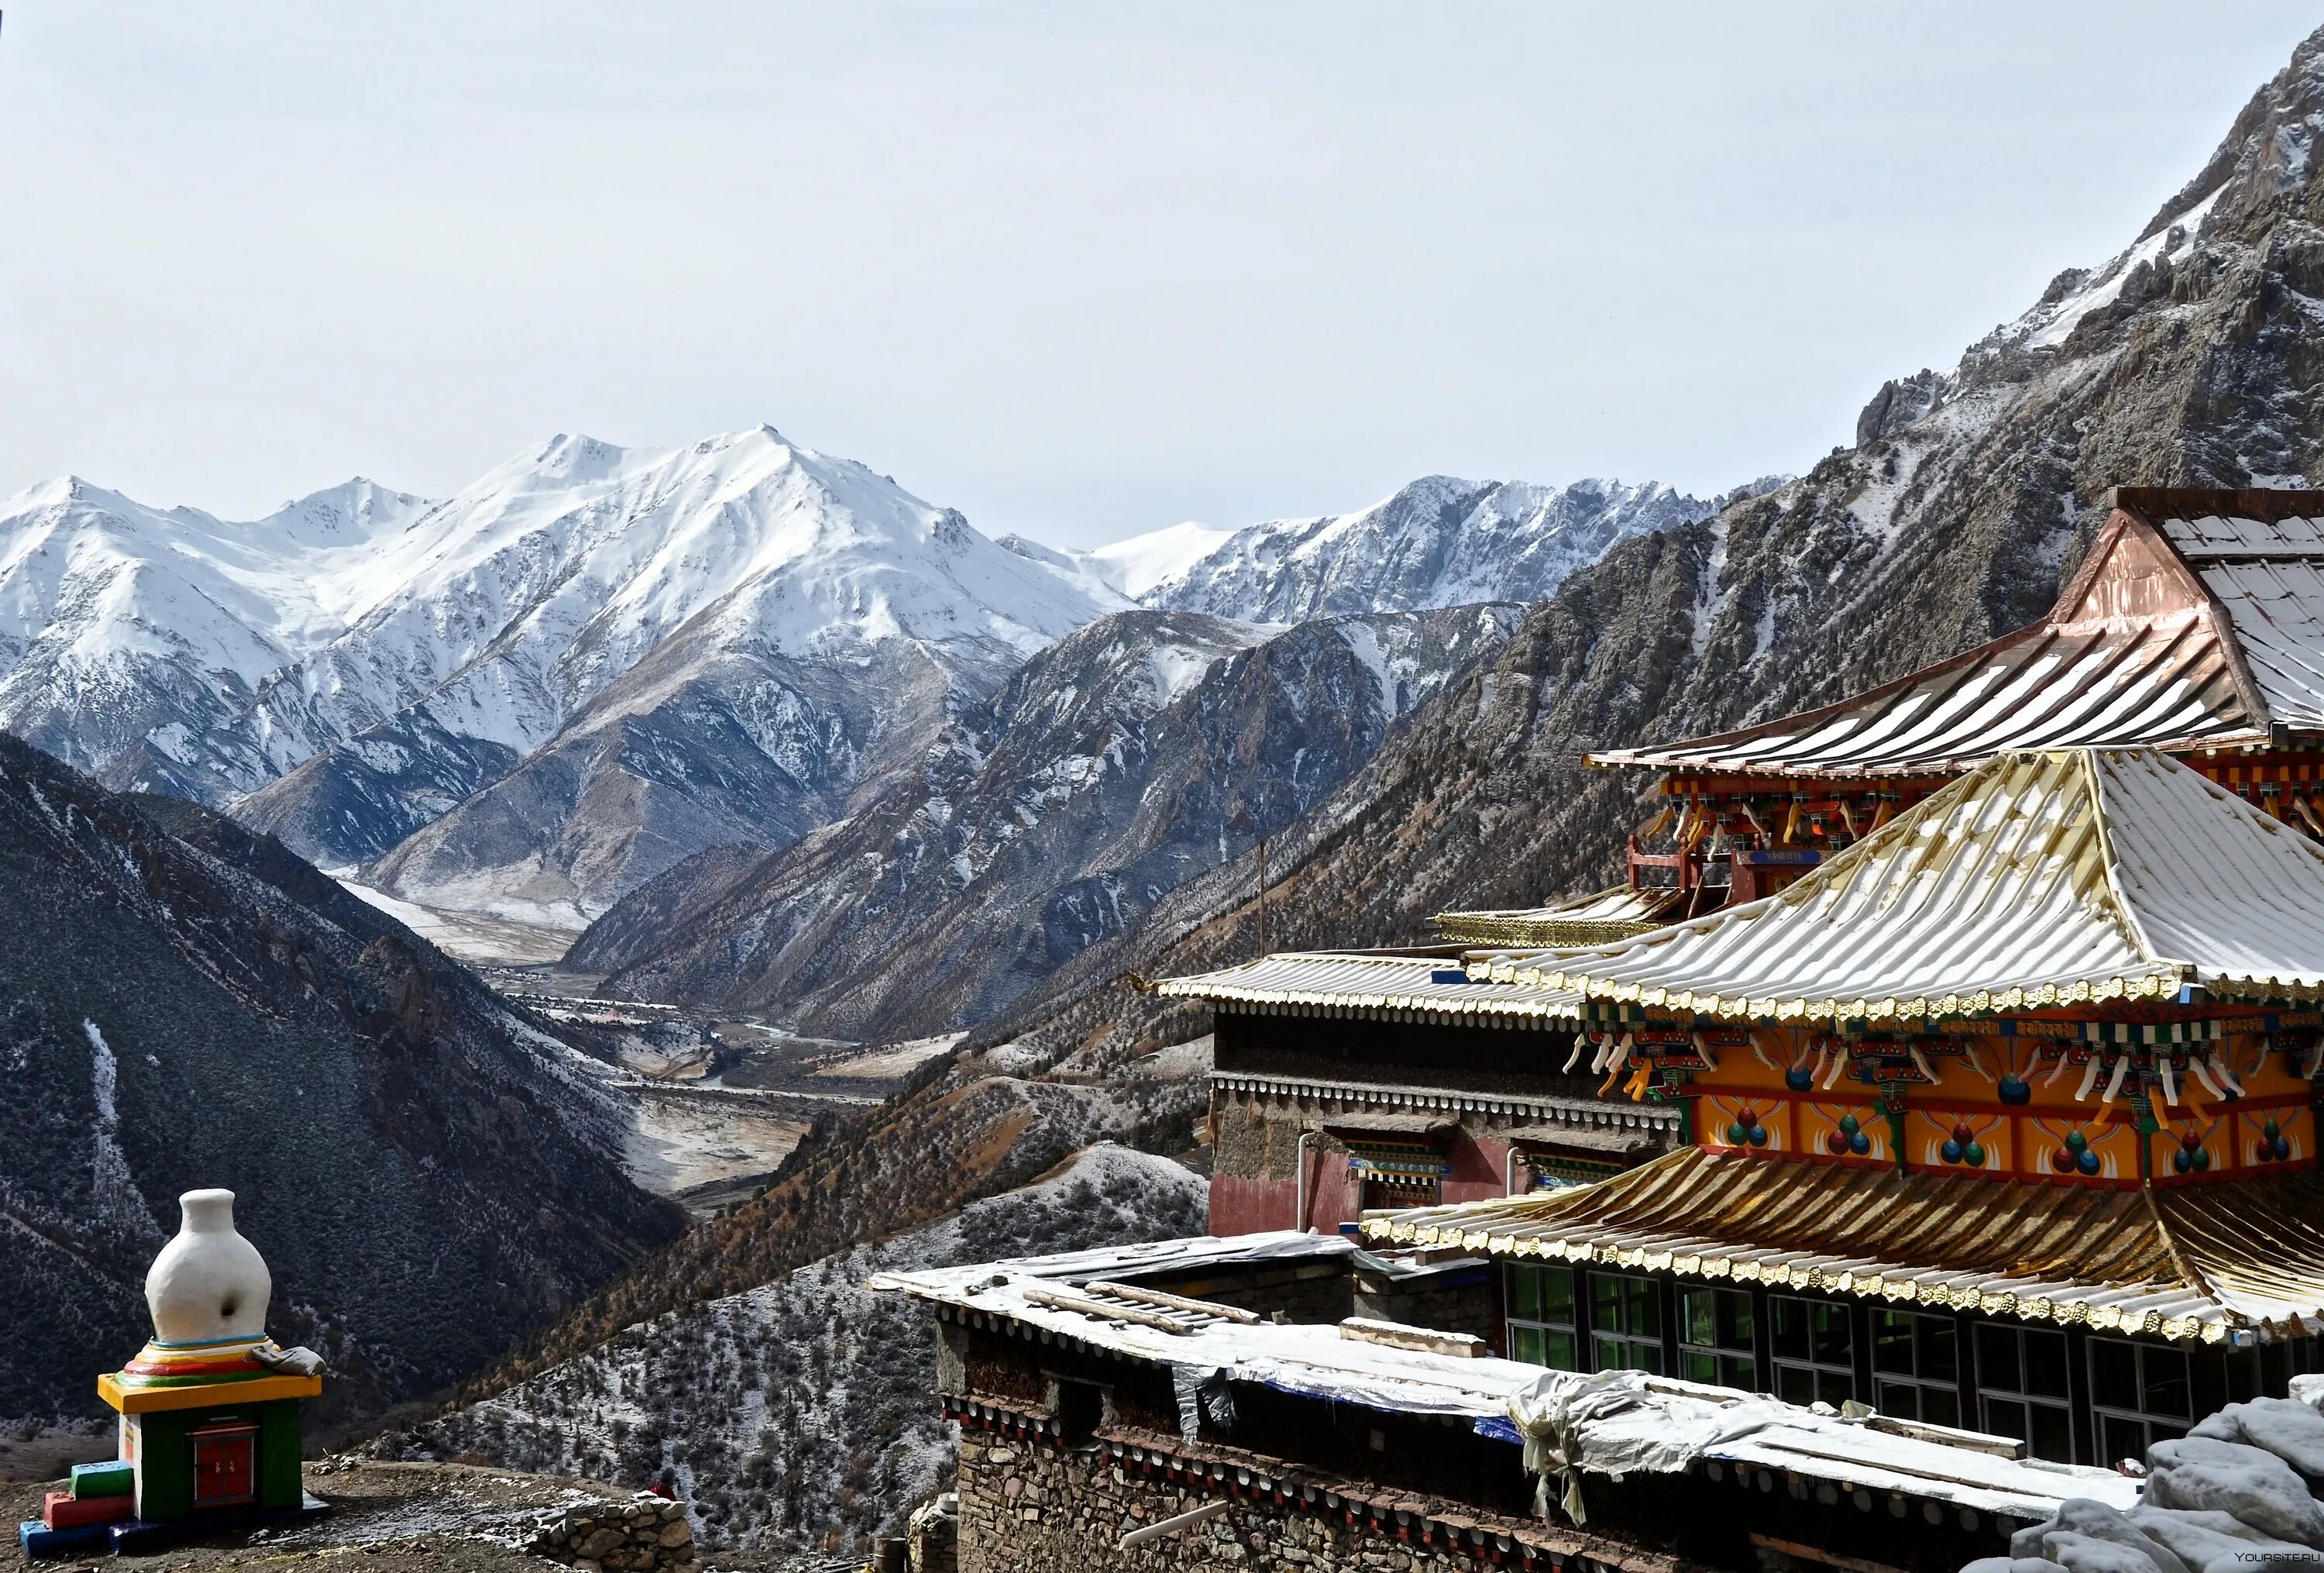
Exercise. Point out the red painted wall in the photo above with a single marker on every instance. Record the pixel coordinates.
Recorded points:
(1335, 1195)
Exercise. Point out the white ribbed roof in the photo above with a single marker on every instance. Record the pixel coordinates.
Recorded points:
(2228, 650)
(1596, 919)
(1420, 987)
(2277, 606)
(2039, 879)
(2164, 681)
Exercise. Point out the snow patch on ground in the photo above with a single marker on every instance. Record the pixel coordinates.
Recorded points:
(805, 1407)
(480, 939)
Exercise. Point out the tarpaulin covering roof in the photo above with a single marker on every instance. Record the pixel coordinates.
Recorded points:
(1394, 987)
(1654, 1423)
(2184, 1262)
(1591, 919)
(2199, 622)
(2036, 881)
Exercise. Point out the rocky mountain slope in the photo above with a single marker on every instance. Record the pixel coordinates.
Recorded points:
(759, 1406)
(966, 1125)
(184, 1004)
(1115, 765)
(2191, 358)
(1438, 542)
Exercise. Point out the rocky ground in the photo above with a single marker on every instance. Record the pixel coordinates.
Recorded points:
(401, 1518)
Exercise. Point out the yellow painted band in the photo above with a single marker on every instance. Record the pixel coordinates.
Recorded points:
(207, 1395)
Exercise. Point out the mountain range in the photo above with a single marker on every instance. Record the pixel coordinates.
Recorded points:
(531, 698)
(1012, 855)
(1122, 761)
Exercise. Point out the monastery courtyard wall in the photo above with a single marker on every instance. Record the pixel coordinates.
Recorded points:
(1034, 1507)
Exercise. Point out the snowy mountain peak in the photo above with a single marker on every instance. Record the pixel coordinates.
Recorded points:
(1439, 542)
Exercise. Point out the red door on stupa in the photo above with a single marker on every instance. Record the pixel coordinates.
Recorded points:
(225, 1465)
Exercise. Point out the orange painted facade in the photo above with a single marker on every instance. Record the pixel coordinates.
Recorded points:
(2018, 1100)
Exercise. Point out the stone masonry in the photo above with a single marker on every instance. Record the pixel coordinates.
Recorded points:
(644, 1533)
(1032, 1507)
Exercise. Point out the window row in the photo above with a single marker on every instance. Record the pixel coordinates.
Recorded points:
(2140, 1393)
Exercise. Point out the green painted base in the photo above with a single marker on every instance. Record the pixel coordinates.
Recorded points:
(222, 1457)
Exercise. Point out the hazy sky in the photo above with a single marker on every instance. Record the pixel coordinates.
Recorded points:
(1077, 270)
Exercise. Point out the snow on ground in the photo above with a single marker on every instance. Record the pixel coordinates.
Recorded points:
(887, 1061)
(684, 1139)
(2049, 326)
(476, 938)
(1137, 565)
(806, 1407)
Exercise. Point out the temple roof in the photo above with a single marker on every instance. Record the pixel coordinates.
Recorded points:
(1595, 919)
(2197, 620)
(2184, 1262)
(2039, 880)
(1392, 987)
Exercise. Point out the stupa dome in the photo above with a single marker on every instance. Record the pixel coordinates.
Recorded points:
(209, 1285)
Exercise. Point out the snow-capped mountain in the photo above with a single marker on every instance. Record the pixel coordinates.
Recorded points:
(530, 698)
(1126, 759)
(1437, 543)
(136, 643)
(1129, 568)
(767, 614)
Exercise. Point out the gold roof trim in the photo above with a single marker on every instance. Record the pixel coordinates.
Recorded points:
(2188, 1262)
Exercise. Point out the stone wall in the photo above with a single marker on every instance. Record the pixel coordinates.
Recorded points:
(645, 1532)
(1032, 1507)
(1461, 1298)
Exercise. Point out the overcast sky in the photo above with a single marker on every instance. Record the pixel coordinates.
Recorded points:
(1079, 271)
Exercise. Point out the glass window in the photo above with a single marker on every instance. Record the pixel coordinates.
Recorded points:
(1541, 1315)
(2021, 1380)
(1625, 1323)
(1915, 1371)
(1714, 1338)
(2139, 1395)
(1814, 1348)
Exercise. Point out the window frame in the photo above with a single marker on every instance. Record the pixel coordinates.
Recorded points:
(1632, 1342)
(2153, 1425)
(1376, 1192)
(1918, 1383)
(1817, 1370)
(1512, 1324)
(1721, 1358)
(2021, 1393)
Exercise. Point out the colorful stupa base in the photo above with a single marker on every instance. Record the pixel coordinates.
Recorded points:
(209, 1446)
(141, 1537)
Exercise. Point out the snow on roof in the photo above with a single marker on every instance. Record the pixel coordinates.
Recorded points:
(2038, 880)
(1587, 919)
(1406, 988)
(1635, 1421)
